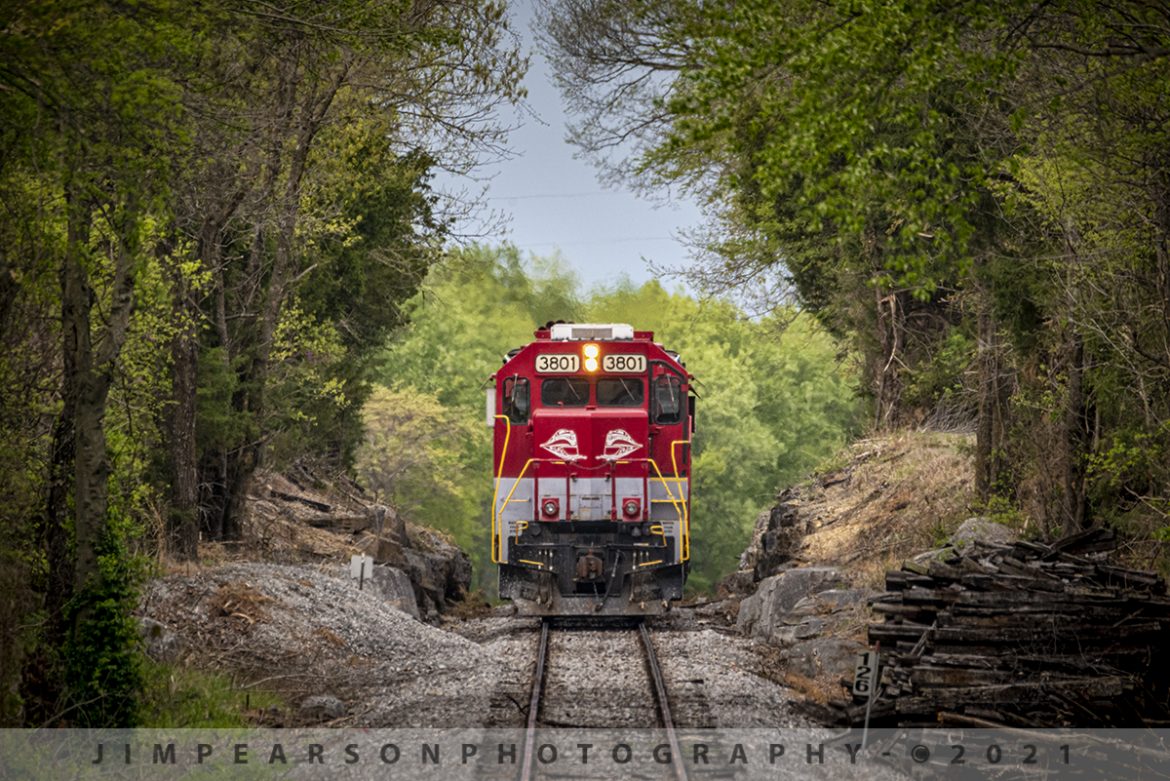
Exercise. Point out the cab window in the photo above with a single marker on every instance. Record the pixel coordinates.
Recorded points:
(564, 392)
(668, 399)
(516, 400)
(620, 392)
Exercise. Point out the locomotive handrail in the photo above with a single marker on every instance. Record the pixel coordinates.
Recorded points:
(681, 510)
(496, 492)
(515, 483)
(686, 510)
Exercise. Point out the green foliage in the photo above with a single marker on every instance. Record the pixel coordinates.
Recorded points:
(102, 657)
(973, 194)
(1001, 510)
(941, 381)
(774, 399)
(420, 454)
(306, 389)
(475, 306)
(211, 218)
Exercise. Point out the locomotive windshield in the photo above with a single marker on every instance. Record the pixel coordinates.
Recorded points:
(516, 399)
(564, 392)
(620, 392)
(667, 399)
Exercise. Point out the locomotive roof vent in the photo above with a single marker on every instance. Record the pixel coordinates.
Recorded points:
(563, 332)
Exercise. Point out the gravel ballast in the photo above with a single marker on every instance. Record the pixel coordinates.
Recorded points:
(302, 632)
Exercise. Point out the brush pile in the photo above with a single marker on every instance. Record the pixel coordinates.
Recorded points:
(1023, 634)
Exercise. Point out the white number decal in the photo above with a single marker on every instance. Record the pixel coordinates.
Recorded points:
(557, 364)
(624, 364)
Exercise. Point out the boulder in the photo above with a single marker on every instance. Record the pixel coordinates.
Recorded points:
(388, 523)
(776, 538)
(790, 634)
(982, 530)
(738, 583)
(970, 531)
(439, 571)
(831, 612)
(764, 611)
(826, 602)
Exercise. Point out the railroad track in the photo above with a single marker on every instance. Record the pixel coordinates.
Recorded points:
(656, 684)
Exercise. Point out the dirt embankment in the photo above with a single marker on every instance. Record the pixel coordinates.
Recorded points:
(821, 552)
(886, 499)
(976, 626)
(304, 517)
(281, 612)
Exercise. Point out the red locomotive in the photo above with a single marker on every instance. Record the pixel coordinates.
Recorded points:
(592, 465)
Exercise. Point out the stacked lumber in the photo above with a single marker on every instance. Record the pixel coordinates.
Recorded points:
(1023, 634)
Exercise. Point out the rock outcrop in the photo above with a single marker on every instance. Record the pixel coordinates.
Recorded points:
(438, 570)
(303, 517)
(764, 613)
(803, 577)
(811, 615)
(394, 586)
(776, 538)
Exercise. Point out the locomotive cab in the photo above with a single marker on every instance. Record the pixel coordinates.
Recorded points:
(591, 460)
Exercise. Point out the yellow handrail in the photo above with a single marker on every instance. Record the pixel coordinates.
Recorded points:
(496, 520)
(516, 482)
(686, 509)
(496, 492)
(679, 507)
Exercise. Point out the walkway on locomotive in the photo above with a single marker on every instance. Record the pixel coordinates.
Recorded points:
(579, 439)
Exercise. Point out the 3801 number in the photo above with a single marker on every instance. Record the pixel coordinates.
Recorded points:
(557, 364)
(624, 364)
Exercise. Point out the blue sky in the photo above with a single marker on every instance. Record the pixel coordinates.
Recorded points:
(553, 201)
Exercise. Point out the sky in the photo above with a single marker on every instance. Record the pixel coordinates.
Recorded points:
(551, 201)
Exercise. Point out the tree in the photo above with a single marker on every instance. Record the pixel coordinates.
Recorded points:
(918, 170)
(315, 100)
(90, 101)
(172, 178)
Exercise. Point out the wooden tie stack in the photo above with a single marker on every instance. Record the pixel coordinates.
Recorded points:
(1023, 634)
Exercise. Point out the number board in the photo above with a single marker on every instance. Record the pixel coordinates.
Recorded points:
(624, 364)
(563, 363)
(865, 675)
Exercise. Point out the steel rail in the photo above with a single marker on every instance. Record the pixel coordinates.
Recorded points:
(659, 683)
(534, 703)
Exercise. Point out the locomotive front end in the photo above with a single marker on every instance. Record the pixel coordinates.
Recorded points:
(592, 453)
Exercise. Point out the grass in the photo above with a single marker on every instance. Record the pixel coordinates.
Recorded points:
(181, 697)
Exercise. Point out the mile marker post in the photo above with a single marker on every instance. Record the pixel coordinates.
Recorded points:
(877, 676)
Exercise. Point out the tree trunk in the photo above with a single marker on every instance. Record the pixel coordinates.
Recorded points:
(989, 425)
(58, 523)
(1074, 511)
(183, 520)
(304, 118)
(887, 380)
